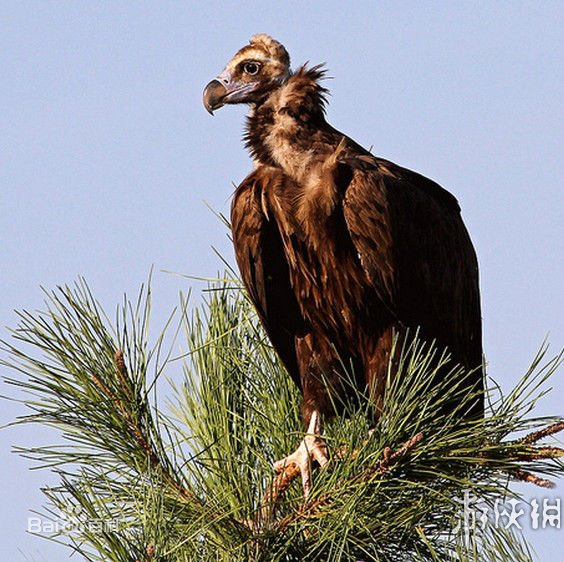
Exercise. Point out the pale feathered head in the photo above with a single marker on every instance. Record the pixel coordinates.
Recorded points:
(250, 75)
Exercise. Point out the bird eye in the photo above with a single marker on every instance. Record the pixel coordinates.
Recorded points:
(251, 68)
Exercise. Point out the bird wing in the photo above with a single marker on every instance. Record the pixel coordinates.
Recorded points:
(416, 253)
(264, 269)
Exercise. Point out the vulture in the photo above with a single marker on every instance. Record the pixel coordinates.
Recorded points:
(338, 249)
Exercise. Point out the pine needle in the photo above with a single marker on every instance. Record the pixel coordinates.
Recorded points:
(193, 481)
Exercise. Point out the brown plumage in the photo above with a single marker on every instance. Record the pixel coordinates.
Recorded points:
(337, 248)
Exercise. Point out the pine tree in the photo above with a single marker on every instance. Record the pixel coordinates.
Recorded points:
(189, 478)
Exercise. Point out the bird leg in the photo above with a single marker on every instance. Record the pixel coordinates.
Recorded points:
(312, 448)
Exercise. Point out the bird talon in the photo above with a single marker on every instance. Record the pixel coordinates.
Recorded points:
(312, 449)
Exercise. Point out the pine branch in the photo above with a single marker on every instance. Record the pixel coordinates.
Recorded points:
(312, 508)
(197, 484)
(137, 431)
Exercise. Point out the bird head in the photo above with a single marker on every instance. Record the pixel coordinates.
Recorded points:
(250, 75)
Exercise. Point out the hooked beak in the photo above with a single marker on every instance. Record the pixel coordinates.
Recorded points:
(214, 94)
(222, 90)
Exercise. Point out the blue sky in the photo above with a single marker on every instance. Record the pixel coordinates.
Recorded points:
(107, 157)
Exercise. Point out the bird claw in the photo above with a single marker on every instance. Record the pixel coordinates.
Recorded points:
(312, 448)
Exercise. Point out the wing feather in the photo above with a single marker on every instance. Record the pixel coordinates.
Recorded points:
(264, 269)
(416, 252)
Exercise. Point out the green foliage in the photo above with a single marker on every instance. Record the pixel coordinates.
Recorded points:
(189, 484)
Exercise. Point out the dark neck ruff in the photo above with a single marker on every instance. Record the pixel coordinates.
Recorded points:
(259, 123)
(304, 102)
